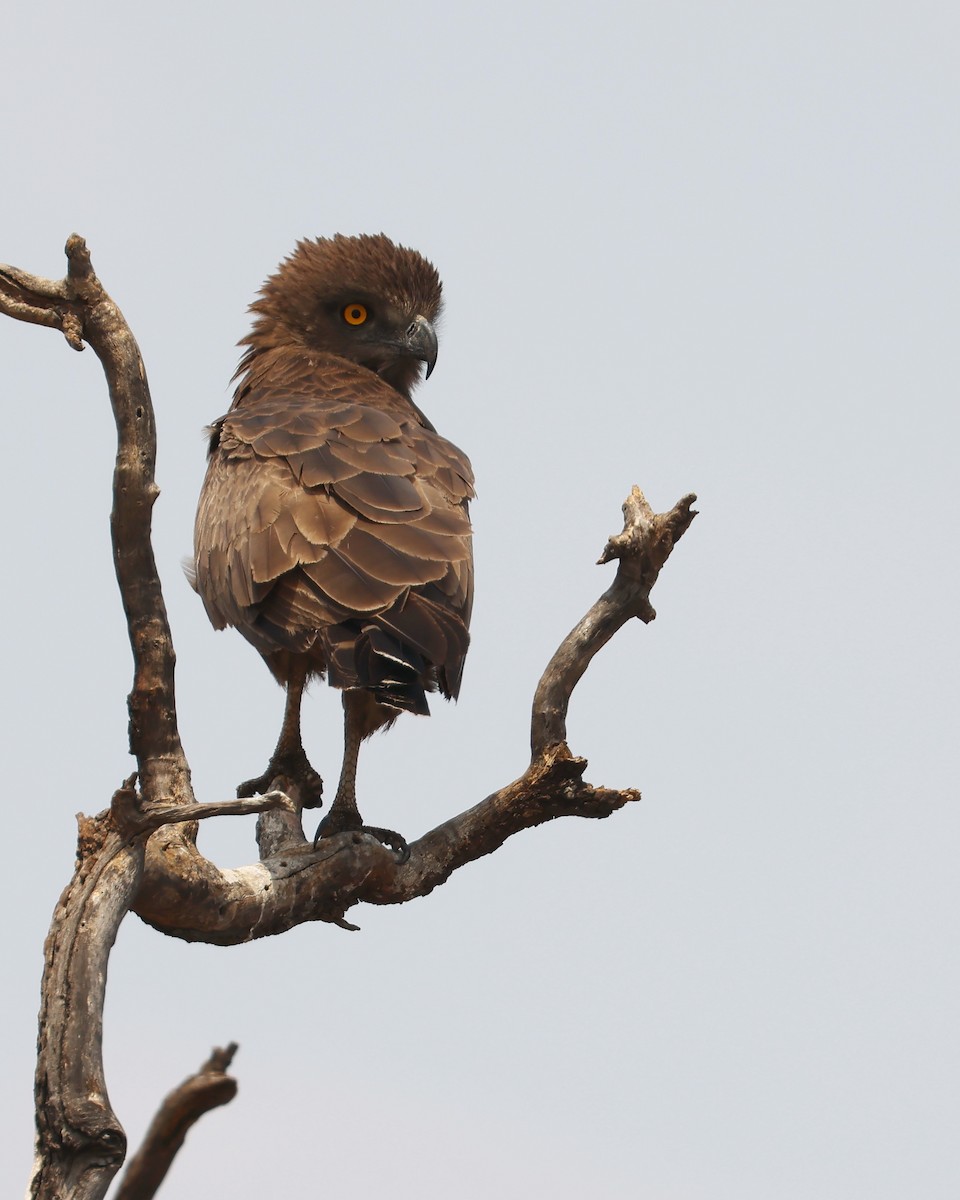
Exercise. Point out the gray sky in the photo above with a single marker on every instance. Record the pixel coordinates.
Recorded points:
(694, 246)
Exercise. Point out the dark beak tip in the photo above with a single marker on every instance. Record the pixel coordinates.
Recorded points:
(422, 341)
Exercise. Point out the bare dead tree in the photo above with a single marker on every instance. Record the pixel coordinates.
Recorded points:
(140, 854)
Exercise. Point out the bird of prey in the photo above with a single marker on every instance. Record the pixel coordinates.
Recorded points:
(333, 528)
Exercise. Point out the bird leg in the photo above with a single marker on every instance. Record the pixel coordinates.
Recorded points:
(361, 717)
(289, 759)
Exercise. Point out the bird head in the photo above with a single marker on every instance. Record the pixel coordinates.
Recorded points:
(363, 298)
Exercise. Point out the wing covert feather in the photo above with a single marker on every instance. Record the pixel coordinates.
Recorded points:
(319, 511)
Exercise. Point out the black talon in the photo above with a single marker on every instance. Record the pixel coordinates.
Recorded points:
(388, 837)
(392, 839)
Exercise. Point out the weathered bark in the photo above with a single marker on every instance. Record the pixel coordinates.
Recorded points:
(141, 853)
(80, 1142)
(82, 310)
(643, 546)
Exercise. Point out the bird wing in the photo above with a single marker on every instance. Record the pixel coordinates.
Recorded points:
(329, 509)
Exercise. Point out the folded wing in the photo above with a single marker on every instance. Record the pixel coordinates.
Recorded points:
(339, 530)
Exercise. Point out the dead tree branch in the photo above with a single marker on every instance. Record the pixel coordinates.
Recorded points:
(187, 896)
(642, 547)
(82, 310)
(141, 853)
(209, 1088)
(80, 1143)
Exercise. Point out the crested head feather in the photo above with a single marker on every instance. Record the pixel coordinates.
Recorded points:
(322, 272)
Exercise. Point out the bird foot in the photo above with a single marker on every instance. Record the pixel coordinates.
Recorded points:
(389, 837)
(329, 828)
(293, 766)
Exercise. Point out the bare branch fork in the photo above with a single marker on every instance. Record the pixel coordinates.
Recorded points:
(141, 853)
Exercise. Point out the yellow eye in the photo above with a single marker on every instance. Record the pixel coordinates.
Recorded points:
(355, 314)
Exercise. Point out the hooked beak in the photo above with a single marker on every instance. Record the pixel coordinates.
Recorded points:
(420, 341)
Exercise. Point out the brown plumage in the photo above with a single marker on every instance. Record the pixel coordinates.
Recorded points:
(332, 529)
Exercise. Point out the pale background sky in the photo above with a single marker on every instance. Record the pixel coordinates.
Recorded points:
(696, 246)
